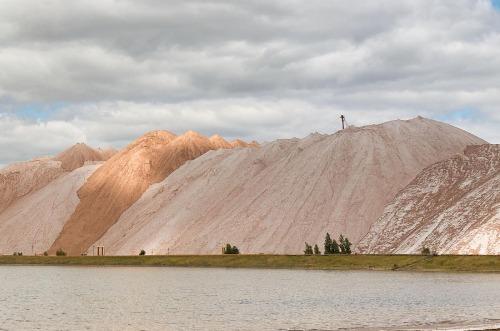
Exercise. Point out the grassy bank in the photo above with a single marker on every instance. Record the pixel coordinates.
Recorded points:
(333, 262)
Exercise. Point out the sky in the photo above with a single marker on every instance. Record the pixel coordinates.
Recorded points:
(105, 72)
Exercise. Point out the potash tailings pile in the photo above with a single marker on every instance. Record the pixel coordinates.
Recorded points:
(395, 187)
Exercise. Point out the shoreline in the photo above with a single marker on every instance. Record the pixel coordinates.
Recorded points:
(442, 263)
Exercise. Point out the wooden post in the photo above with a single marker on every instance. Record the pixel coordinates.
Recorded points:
(100, 251)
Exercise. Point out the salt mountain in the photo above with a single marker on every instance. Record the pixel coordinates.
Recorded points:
(452, 207)
(274, 198)
(120, 182)
(191, 194)
(37, 197)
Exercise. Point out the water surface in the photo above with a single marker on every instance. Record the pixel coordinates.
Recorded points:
(155, 298)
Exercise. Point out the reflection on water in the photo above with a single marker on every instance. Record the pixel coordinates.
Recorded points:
(154, 298)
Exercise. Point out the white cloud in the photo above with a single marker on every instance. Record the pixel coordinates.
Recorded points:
(23, 140)
(254, 69)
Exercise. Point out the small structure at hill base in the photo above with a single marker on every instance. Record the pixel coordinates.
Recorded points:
(100, 250)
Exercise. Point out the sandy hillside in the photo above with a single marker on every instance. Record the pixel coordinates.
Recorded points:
(107, 153)
(452, 207)
(121, 181)
(220, 142)
(274, 198)
(33, 222)
(20, 179)
(76, 156)
(238, 143)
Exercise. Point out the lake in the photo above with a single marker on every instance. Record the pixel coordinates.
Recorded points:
(159, 298)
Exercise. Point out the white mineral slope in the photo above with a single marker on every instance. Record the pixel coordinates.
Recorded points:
(273, 198)
(20, 179)
(452, 207)
(32, 223)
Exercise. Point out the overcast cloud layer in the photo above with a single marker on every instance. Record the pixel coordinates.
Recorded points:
(105, 72)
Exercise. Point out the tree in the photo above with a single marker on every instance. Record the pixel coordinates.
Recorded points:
(316, 250)
(308, 250)
(341, 244)
(347, 246)
(60, 252)
(231, 249)
(426, 251)
(328, 244)
(334, 248)
(344, 245)
(142, 252)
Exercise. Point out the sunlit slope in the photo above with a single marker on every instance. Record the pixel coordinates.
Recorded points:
(122, 179)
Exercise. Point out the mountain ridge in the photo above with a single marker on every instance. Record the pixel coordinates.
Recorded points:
(120, 182)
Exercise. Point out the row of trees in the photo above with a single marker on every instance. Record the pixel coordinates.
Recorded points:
(331, 246)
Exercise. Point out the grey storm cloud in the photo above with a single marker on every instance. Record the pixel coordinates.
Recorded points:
(106, 71)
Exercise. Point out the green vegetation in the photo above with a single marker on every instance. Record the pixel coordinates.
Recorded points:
(316, 250)
(308, 250)
(451, 263)
(426, 251)
(328, 246)
(17, 254)
(332, 247)
(142, 252)
(60, 252)
(231, 249)
(345, 245)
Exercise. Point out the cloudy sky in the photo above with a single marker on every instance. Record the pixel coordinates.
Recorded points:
(104, 72)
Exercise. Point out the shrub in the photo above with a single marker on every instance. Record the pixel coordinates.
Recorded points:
(143, 252)
(316, 250)
(60, 252)
(230, 249)
(426, 251)
(45, 253)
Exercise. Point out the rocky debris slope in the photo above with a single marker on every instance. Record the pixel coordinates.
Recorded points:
(272, 199)
(452, 207)
(32, 223)
(121, 181)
